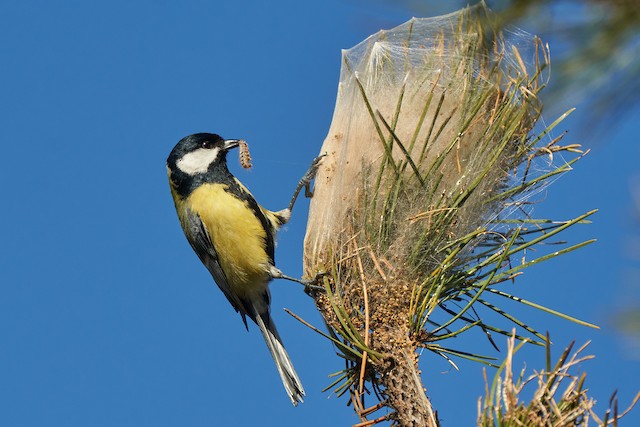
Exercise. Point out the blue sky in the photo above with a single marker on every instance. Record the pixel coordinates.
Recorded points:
(108, 318)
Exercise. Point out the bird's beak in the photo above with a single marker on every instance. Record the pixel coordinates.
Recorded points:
(231, 143)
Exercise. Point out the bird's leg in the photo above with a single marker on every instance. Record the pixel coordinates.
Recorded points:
(305, 181)
(309, 285)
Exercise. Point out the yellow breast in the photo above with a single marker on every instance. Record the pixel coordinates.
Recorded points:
(237, 234)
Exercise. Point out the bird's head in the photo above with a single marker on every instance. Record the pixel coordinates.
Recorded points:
(198, 153)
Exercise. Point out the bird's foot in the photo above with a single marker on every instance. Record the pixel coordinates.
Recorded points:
(311, 286)
(310, 175)
(305, 181)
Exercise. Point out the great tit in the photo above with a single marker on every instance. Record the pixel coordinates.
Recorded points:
(232, 234)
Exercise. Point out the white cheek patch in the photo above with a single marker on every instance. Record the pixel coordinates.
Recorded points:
(197, 161)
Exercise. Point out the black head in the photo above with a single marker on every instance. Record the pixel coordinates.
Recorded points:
(197, 153)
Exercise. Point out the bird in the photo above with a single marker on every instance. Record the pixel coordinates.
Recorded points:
(233, 235)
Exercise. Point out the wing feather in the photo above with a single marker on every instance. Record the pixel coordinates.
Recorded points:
(202, 245)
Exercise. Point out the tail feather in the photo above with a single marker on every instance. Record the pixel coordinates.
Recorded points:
(287, 373)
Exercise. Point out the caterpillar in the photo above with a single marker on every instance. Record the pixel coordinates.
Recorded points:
(243, 154)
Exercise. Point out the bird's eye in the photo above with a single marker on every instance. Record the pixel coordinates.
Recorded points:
(206, 144)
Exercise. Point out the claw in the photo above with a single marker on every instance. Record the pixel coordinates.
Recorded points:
(312, 285)
(305, 181)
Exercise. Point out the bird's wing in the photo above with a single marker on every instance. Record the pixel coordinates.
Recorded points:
(201, 243)
(268, 219)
